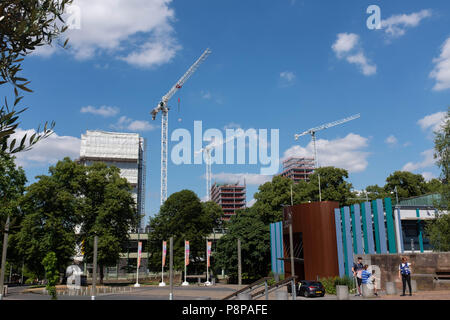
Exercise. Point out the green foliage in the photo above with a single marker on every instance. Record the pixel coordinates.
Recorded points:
(51, 273)
(183, 217)
(330, 284)
(271, 196)
(408, 184)
(438, 232)
(255, 247)
(50, 208)
(12, 187)
(108, 210)
(442, 156)
(24, 26)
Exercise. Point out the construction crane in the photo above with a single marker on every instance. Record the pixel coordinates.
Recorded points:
(207, 150)
(313, 131)
(163, 107)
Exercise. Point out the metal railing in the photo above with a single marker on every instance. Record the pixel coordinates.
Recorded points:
(267, 289)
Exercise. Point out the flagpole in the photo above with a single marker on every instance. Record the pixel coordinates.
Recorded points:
(185, 283)
(207, 283)
(163, 258)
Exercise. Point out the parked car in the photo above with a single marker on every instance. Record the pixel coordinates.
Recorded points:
(310, 289)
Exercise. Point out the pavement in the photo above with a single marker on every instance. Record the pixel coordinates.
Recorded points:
(194, 292)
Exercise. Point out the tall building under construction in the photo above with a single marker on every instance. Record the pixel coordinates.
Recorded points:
(298, 169)
(123, 150)
(230, 197)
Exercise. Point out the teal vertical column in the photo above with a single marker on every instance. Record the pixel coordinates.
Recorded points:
(375, 224)
(390, 225)
(419, 226)
(352, 215)
(357, 229)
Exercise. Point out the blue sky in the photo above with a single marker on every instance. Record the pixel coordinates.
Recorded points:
(287, 65)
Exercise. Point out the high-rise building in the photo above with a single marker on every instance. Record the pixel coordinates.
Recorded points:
(298, 169)
(123, 150)
(230, 197)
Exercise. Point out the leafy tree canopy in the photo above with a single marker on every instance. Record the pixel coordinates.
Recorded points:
(183, 217)
(24, 25)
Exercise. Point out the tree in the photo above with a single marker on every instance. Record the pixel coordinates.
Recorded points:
(271, 197)
(51, 210)
(108, 210)
(408, 184)
(24, 25)
(376, 192)
(51, 273)
(12, 187)
(442, 156)
(438, 229)
(183, 217)
(255, 247)
(332, 184)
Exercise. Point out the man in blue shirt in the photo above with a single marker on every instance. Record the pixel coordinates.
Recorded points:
(404, 272)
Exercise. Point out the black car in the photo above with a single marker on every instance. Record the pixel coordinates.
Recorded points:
(310, 289)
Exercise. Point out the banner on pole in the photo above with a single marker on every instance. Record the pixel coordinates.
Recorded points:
(139, 253)
(164, 251)
(208, 250)
(186, 253)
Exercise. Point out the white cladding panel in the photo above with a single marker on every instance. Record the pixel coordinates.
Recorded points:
(100, 144)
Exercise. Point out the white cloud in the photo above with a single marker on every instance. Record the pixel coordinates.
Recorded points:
(345, 42)
(396, 25)
(251, 203)
(140, 28)
(289, 76)
(125, 123)
(391, 140)
(248, 178)
(428, 161)
(441, 71)
(47, 151)
(428, 175)
(346, 153)
(361, 61)
(206, 95)
(104, 111)
(432, 121)
(346, 46)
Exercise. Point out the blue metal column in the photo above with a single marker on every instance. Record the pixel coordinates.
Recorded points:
(348, 242)
(280, 249)
(357, 236)
(381, 226)
(352, 216)
(369, 228)
(340, 249)
(273, 252)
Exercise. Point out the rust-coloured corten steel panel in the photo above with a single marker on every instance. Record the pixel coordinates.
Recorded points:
(317, 224)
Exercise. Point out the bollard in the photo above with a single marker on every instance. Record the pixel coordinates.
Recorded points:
(342, 293)
(367, 291)
(390, 288)
(281, 295)
(244, 296)
(413, 286)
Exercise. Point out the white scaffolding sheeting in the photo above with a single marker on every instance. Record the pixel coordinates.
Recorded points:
(110, 145)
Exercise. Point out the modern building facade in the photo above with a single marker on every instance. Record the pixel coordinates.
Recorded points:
(230, 197)
(123, 150)
(298, 169)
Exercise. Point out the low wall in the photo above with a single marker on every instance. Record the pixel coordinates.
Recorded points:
(424, 267)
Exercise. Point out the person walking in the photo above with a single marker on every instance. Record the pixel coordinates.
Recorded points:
(357, 271)
(404, 272)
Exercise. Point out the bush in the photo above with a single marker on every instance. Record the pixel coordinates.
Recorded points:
(331, 283)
